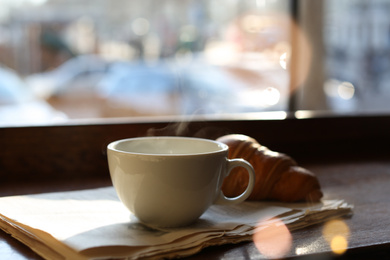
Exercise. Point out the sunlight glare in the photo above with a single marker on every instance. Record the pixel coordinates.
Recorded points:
(38, 2)
(261, 3)
(302, 114)
(283, 61)
(221, 53)
(267, 97)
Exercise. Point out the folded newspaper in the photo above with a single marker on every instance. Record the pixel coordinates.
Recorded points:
(94, 224)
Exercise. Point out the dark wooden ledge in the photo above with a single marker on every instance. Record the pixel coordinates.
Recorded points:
(349, 154)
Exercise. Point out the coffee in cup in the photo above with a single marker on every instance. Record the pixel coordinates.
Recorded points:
(172, 181)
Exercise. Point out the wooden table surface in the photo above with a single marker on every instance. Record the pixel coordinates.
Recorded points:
(365, 183)
(350, 156)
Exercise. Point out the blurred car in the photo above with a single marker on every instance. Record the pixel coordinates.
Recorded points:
(19, 106)
(173, 88)
(77, 75)
(139, 88)
(90, 86)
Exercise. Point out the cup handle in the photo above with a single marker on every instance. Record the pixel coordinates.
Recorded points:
(231, 164)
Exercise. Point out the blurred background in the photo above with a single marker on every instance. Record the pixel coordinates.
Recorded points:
(84, 59)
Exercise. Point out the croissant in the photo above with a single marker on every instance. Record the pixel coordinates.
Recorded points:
(278, 177)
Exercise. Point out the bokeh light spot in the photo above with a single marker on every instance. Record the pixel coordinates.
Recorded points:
(346, 90)
(336, 232)
(273, 240)
(334, 88)
(140, 26)
(339, 245)
(271, 96)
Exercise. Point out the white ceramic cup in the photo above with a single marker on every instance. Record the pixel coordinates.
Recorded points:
(172, 181)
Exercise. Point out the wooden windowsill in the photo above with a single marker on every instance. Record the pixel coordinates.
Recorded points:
(348, 154)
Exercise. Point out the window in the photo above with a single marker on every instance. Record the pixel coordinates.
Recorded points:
(64, 60)
(357, 61)
(88, 59)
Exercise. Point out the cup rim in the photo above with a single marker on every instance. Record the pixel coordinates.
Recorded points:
(112, 146)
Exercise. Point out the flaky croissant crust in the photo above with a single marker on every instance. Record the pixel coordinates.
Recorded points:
(278, 177)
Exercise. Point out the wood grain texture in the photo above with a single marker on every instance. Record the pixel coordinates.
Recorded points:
(73, 151)
(350, 156)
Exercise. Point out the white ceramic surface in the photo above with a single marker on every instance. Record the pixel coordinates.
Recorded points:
(171, 181)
